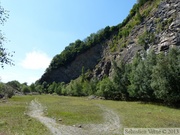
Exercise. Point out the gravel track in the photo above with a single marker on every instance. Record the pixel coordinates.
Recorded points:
(110, 126)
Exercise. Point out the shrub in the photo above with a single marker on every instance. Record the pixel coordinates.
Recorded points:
(6, 91)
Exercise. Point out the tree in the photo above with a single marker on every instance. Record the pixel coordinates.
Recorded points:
(32, 87)
(59, 88)
(166, 77)
(5, 56)
(120, 80)
(39, 88)
(134, 77)
(25, 89)
(52, 88)
(147, 92)
(105, 88)
(141, 76)
(141, 2)
(14, 84)
(6, 91)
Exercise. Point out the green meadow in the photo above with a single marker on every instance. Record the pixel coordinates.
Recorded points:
(81, 110)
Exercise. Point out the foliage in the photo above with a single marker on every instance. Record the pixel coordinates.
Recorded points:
(25, 89)
(120, 80)
(15, 85)
(105, 88)
(6, 91)
(145, 39)
(5, 56)
(142, 2)
(155, 78)
(33, 87)
(39, 88)
(166, 77)
(77, 48)
(140, 77)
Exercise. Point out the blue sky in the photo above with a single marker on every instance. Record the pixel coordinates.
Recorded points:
(37, 30)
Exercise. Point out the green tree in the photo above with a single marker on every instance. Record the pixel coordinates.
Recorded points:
(132, 75)
(59, 88)
(120, 80)
(52, 88)
(141, 76)
(25, 89)
(14, 84)
(39, 88)
(6, 91)
(146, 91)
(166, 77)
(45, 86)
(32, 87)
(105, 89)
(5, 56)
(77, 88)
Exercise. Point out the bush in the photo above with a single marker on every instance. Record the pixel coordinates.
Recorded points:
(6, 91)
(105, 89)
(25, 89)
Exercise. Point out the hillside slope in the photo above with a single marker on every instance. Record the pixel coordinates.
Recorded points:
(154, 24)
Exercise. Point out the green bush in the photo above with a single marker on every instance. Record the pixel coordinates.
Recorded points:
(25, 89)
(6, 91)
(105, 88)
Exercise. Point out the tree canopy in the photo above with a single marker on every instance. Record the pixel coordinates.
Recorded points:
(5, 56)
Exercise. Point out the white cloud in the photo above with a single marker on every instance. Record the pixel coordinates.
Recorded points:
(36, 60)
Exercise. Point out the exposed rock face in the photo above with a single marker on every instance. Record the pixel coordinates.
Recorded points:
(163, 23)
(88, 60)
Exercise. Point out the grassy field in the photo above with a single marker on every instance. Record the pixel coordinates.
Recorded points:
(14, 121)
(75, 110)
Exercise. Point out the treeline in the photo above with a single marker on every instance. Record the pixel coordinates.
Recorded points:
(150, 77)
(7, 90)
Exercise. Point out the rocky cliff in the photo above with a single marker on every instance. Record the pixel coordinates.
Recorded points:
(159, 29)
(87, 60)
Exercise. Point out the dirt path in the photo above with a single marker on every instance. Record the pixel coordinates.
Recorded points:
(110, 126)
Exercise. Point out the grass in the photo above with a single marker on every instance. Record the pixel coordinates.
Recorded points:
(140, 115)
(79, 110)
(13, 121)
(72, 110)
